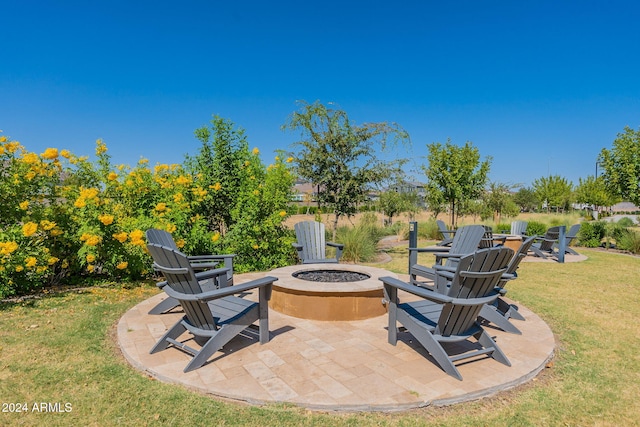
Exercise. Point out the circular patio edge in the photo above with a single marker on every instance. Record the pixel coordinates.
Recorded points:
(333, 366)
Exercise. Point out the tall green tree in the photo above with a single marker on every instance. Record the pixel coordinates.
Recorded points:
(592, 191)
(621, 166)
(554, 191)
(455, 174)
(340, 157)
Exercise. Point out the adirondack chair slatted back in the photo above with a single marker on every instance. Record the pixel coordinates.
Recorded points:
(161, 237)
(447, 235)
(549, 239)
(519, 228)
(465, 241)
(479, 273)
(476, 277)
(311, 235)
(572, 233)
(487, 238)
(181, 278)
(517, 257)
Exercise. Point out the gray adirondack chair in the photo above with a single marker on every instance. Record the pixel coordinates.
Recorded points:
(489, 240)
(198, 263)
(212, 317)
(519, 228)
(447, 235)
(544, 246)
(438, 318)
(500, 311)
(311, 244)
(465, 241)
(571, 235)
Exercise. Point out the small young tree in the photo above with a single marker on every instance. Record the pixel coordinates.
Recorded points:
(393, 203)
(499, 201)
(455, 175)
(621, 166)
(340, 157)
(526, 199)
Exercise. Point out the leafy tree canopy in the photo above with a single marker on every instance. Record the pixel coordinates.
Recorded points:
(622, 166)
(455, 174)
(554, 191)
(592, 191)
(526, 199)
(340, 157)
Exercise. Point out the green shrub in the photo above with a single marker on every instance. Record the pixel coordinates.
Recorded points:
(359, 243)
(502, 227)
(625, 222)
(629, 241)
(591, 233)
(535, 228)
(64, 217)
(429, 230)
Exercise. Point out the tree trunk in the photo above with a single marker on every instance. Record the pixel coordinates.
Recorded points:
(452, 213)
(335, 226)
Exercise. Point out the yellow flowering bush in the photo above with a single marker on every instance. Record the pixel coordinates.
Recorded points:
(73, 217)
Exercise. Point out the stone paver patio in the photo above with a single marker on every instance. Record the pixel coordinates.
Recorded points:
(333, 365)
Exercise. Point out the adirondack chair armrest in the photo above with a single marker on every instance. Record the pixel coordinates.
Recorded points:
(430, 249)
(210, 274)
(500, 239)
(509, 276)
(203, 265)
(442, 255)
(415, 290)
(477, 301)
(221, 257)
(335, 245)
(444, 271)
(236, 289)
(222, 292)
(297, 246)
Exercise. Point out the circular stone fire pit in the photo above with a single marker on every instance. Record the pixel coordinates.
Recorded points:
(330, 276)
(329, 291)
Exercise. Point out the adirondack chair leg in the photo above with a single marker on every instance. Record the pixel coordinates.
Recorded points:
(428, 341)
(391, 295)
(510, 311)
(538, 252)
(437, 352)
(164, 306)
(207, 350)
(264, 314)
(491, 314)
(173, 333)
(225, 334)
(485, 341)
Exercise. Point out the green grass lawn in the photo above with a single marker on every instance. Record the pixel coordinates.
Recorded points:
(60, 349)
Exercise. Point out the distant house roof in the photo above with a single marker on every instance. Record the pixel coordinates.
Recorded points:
(624, 207)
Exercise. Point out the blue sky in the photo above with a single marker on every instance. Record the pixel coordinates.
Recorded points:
(541, 87)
